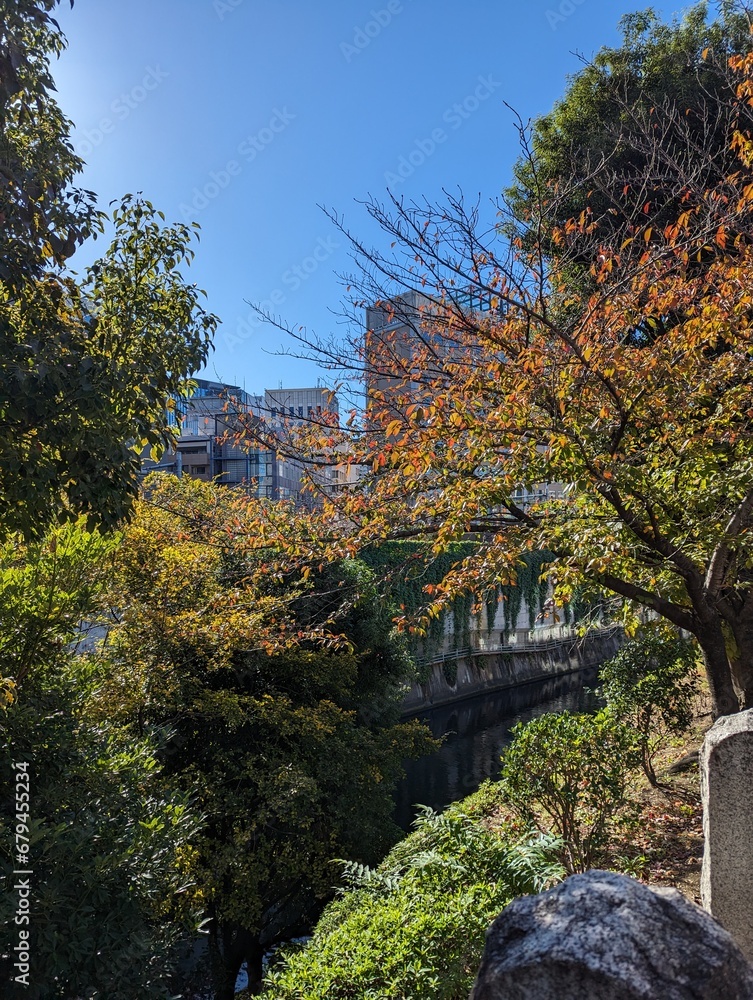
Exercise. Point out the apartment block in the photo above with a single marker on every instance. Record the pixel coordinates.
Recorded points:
(207, 447)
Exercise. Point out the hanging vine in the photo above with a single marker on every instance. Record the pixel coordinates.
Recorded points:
(406, 568)
(462, 609)
(493, 598)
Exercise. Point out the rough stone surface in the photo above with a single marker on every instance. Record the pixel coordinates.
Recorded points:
(726, 764)
(602, 936)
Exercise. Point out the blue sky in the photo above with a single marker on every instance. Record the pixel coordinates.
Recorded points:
(245, 115)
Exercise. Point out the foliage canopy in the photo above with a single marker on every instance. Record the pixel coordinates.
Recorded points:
(507, 402)
(284, 730)
(87, 367)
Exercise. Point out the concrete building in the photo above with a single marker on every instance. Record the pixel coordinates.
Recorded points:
(408, 341)
(211, 417)
(299, 404)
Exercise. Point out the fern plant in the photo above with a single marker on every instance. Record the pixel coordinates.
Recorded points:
(414, 926)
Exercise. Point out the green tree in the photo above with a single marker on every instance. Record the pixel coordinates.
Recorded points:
(44, 216)
(283, 725)
(87, 369)
(568, 774)
(641, 134)
(107, 842)
(414, 927)
(650, 684)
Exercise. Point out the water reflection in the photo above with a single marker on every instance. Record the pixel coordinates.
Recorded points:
(476, 731)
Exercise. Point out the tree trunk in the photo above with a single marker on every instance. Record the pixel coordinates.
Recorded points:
(227, 958)
(724, 700)
(224, 975)
(742, 662)
(254, 959)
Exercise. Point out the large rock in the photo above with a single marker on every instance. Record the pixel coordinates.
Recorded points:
(726, 764)
(602, 936)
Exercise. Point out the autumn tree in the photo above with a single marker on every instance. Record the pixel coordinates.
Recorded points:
(282, 701)
(528, 414)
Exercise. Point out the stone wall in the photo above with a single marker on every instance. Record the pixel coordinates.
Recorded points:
(479, 672)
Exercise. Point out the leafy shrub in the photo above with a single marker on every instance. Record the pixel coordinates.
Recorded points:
(650, 684)
(414, 927)
(567, 774)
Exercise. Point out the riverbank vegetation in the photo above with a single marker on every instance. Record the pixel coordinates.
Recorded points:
(282, 704)
(572, 795)
(414, 926)
(206, 761)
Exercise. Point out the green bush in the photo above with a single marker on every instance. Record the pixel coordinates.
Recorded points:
(650, 684)
(567, 774)
(414, 927)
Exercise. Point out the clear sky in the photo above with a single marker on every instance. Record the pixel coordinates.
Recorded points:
(245, 115)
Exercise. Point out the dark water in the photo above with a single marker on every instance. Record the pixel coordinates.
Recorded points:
(476, 730)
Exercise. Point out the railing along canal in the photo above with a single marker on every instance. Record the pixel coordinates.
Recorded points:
(549, 637)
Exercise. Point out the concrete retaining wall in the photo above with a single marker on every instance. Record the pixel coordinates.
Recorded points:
(479, 672)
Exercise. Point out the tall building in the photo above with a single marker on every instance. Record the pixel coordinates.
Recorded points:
(391, 344)
(407, 343)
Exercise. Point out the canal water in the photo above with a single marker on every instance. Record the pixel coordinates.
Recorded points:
(475, 732)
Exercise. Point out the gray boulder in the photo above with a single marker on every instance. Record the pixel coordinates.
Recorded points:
(602, 936)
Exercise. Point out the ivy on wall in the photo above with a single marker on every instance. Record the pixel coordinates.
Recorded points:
(407, 567)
